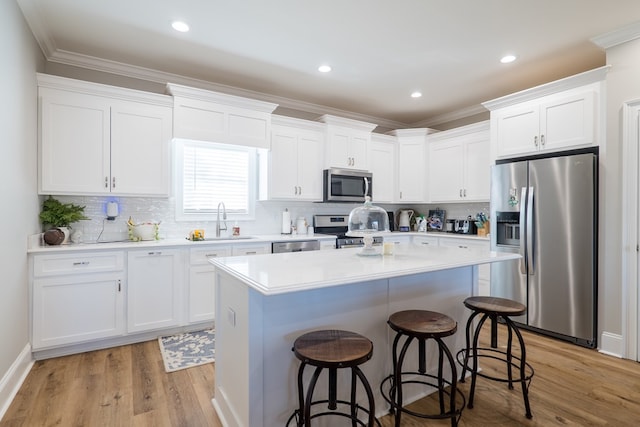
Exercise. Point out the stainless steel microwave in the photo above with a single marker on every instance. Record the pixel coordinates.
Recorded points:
(345, 185)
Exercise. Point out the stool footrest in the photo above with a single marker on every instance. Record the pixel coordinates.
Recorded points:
(502, 357)
(298, 421)
(425, 381)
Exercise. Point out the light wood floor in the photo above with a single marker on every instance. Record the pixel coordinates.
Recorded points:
(127, 386)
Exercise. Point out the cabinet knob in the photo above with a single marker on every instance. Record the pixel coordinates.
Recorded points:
(541, 139)
(106, 182)
(299, 191)
(535, 140)
(113, 182)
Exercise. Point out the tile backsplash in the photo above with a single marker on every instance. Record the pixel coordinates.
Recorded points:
(268, 216)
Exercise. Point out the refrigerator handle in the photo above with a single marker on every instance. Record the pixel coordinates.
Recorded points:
(523, 206)
(530, 259)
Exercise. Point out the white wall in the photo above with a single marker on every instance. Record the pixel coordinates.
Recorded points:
(623, 84)
(19, 203)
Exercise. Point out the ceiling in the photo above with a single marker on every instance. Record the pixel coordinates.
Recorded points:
(380, 50)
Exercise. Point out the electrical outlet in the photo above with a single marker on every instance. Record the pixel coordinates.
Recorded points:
(231, 316)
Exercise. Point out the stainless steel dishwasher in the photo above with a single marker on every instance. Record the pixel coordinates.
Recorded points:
(296, 246)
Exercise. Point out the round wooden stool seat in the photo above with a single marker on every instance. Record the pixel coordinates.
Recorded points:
(494, 305)
(333, 348)
(422, 323)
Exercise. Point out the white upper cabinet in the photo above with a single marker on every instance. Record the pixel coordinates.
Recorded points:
(557, 116)
(459, 164)
(204, 115)
(382, 155)
(347, 142)
(96, 139)
(138, 159)
(292, 170)
(412, 166)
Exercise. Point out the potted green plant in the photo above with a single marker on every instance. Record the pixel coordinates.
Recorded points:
(58, 215)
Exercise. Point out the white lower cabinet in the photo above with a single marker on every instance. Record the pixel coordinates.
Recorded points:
(155, 288)
(77, 298)
(202, 287)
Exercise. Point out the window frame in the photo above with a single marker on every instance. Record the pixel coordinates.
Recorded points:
(252, 190)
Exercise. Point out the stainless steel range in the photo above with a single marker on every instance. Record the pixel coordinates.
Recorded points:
(338, 225)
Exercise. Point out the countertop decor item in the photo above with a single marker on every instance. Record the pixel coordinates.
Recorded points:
(143, 231)
(368, 221)
(56, 214)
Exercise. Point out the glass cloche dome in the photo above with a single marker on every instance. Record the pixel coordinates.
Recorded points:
(368, 221)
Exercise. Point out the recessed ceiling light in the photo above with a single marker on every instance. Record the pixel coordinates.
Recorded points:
(180, 26)
(508, 58)
(416, 94)
(324, 68)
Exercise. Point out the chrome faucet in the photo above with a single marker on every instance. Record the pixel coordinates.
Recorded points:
(224, 218)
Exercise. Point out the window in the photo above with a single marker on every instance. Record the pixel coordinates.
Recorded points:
(208, 174)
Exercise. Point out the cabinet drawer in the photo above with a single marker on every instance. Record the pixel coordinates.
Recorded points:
(202, 255)
(466, 244)
(251, 249)
(55, 265)
(425, 240)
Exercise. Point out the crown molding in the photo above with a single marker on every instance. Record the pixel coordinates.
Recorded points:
(461, 131)
(451, 116)
(350, 123)
(147, 74)
(591, 76)
(619, 36)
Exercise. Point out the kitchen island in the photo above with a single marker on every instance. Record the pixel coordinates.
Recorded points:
(264, 302)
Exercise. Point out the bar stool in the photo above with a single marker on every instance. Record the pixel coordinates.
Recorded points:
(333, 349)
(422, 325)
(496, 309)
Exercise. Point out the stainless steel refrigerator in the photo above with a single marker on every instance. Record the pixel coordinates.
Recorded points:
(545, 208)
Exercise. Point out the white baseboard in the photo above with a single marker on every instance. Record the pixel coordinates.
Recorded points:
(611, 344)
(13, 379)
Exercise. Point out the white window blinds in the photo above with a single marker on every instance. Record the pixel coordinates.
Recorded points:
(214, 173)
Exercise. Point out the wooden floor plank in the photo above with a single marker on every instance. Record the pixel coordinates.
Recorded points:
(127, 386)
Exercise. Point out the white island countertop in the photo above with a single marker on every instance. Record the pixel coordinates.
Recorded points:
(291, 272)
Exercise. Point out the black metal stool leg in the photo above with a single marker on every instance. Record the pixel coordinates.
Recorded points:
(444, 350)
(367, 388)
(307, 404)
(523, 363)
(474, 371)
(468, 332)
(353, 397)
(398, 379)
(300, 422)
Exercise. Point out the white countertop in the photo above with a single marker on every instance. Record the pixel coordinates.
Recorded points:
(36, 247)
(290, 272)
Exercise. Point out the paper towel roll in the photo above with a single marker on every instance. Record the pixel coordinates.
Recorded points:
(286, 222)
